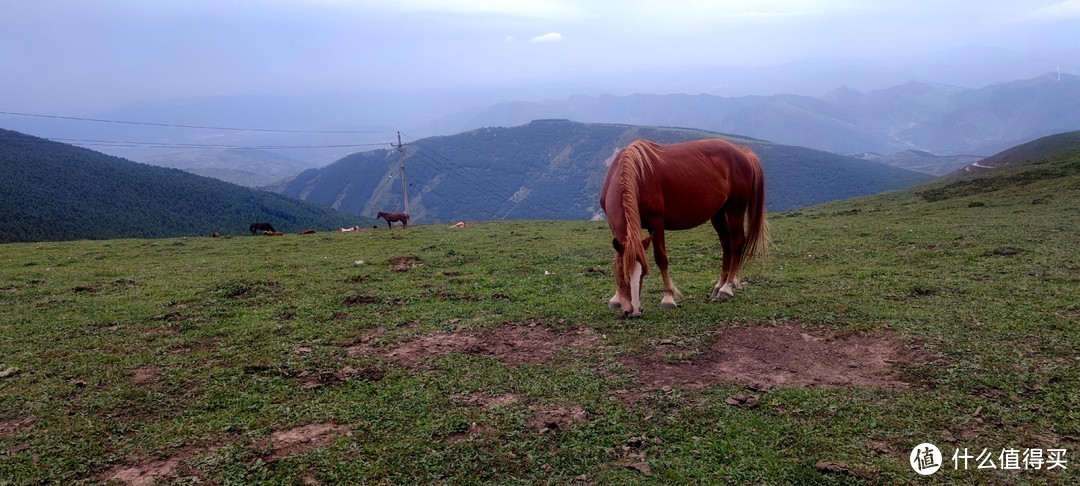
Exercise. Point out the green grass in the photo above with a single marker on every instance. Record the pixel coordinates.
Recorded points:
(983, 281)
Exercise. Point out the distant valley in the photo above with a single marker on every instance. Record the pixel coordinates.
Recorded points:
(245, 167)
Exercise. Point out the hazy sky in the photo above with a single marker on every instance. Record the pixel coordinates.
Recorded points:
(58, 56)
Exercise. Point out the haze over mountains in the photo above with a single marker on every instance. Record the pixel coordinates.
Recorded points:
(246, 167)
(935, 118)
(929, 127)
(373, 113)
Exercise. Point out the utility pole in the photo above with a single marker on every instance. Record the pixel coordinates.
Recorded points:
(401, 163)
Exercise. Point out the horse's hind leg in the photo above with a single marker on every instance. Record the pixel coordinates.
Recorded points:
(729, 227)
(615, 302)
(719, 222)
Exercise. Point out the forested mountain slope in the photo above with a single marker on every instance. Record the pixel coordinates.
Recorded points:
(54, 191)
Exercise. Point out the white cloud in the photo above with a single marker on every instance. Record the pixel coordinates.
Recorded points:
(544, 9)
(549, 37)
(1067, 9)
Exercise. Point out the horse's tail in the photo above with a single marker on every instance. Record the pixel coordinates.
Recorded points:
(630, 182)
(757, 238)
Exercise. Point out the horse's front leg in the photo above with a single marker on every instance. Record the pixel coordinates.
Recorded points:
(615, 302)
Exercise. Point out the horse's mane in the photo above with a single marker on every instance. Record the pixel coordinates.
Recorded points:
(635, 163)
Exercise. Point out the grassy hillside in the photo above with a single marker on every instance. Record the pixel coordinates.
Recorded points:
(553, 169)
(1049, 146)
(53, 191)
(487, 354)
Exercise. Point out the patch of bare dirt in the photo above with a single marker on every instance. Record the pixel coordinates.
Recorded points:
(510, 343)
(281, 444)
(783, 355)
(545, 418)
(145, 473)
(632, 454)
(301, 440)
(404, 263)
(10, 427)
(148, 472)
(145, 374)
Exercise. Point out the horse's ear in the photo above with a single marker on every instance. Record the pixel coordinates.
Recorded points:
(646, 241)
(615, 244)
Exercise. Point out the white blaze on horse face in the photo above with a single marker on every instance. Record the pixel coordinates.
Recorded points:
(635, 287)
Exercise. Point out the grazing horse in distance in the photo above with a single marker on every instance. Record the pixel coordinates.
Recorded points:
(394, 218)
(256, 227)
(677, 187)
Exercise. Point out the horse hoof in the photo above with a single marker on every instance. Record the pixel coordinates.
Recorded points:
(722, 296)
(632, 315)
(614, 305)
(668, 305)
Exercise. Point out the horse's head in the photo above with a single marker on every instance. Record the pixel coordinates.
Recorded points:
(630, 270)
(380, 215)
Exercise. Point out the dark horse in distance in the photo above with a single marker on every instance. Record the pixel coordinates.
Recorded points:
(677, 187)
(256, 227)
(394, 218)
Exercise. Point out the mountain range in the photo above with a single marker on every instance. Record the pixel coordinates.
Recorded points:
(934, 118)
(882, 111)
(553, 169)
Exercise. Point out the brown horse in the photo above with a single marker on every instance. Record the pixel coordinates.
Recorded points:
(260, 227)
(676, 187)
(394, 218)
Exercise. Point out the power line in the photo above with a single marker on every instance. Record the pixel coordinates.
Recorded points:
(485, 181)
(121, 143)
(134, 144)
(200, 127)
(455, 168)
(449, 172)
